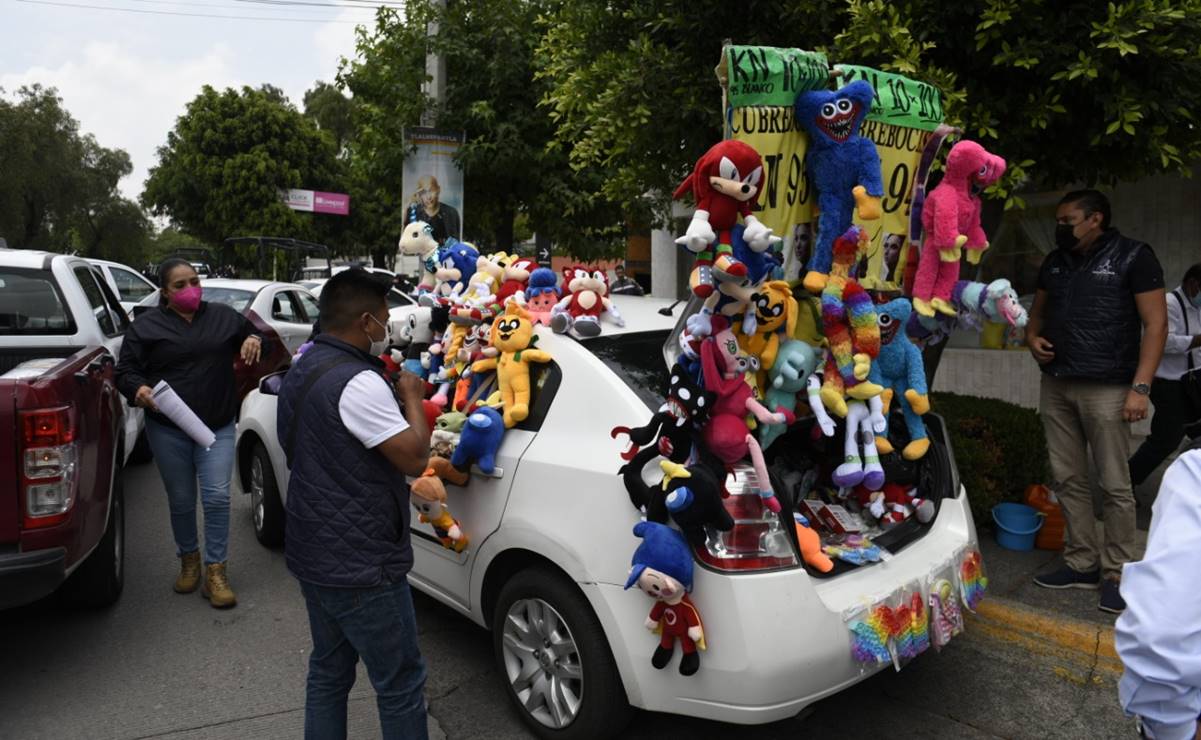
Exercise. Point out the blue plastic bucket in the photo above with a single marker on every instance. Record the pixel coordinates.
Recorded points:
(1017, 525)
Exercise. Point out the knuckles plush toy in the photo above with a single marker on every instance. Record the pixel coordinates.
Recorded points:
(516, 275)
(843, 166)
(892, 504)
(513, 335)
(951, 222)
(479, 440)
(542, 293)
(725, 185)
(587, 302)
(662, 569)
(726, 434)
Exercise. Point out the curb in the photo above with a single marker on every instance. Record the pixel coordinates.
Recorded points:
(1084, 643)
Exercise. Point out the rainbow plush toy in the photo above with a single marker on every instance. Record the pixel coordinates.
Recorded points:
(972, 581)
(844, 167)
(850, 323)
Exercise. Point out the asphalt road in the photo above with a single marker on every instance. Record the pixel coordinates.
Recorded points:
(161, 665)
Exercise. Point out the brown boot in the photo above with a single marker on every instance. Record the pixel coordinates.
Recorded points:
(189, 573)
(216, 587)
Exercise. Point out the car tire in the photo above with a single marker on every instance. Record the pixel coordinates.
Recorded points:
(536, 610)
(266, 507)
(98, 582)
(141, 452)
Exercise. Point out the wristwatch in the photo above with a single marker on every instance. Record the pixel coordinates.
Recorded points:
(1141, 388)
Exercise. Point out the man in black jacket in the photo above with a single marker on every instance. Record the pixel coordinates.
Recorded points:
(1097, 329)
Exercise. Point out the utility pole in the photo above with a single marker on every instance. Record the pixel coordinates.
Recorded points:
(435, 70)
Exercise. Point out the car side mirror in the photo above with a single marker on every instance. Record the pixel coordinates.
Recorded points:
(270, 384)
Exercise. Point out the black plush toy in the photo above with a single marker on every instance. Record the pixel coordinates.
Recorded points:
(691, 495)
(672, 430)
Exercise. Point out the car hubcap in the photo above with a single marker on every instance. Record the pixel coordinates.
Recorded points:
(256, 493)
(542, 662)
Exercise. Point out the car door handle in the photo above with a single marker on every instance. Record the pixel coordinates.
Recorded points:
(94, 367)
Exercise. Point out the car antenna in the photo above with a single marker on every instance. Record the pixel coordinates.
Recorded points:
(666, 310)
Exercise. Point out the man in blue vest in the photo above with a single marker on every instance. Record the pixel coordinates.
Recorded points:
(350, 439)
(1097, 329)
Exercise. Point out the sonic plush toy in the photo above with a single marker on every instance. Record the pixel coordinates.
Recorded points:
(844, 167)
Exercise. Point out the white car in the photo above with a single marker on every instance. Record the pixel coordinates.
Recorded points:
(129, 284)
(288, 308)
(551, 541)
(399, 304)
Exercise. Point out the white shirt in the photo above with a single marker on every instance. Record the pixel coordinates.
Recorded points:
(369, 409)
(1158, 637)
(1175, 350)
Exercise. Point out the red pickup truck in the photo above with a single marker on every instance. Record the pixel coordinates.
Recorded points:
(64, 432)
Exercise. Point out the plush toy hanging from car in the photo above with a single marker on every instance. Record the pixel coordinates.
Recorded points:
(662, 569)
(513, 335)
(725, 185)
(843, 166)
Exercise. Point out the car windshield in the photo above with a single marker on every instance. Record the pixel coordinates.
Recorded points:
(638, 360)
(31, 304)
(236, 299)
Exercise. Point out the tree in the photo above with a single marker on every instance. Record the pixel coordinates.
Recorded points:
(509, 163)
(230, 153)
(332, 112)
(59, 190)
(1068, 92)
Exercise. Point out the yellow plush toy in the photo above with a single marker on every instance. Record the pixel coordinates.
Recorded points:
(775, 309)
(513, 336)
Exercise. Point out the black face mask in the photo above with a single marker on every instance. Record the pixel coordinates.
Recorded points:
(1064, 238)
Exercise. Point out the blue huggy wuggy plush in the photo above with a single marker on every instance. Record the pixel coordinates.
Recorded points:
(844, 166)
(899, 368)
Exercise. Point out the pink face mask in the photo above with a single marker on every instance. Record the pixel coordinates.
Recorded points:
(188, 299)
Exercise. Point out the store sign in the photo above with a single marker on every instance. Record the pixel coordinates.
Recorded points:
(316, 201)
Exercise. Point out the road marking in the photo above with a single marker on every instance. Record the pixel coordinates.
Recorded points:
(1083, 643)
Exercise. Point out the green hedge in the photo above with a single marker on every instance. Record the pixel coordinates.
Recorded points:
(999, 448)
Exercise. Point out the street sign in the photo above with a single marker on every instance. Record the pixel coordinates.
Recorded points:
(316, 201)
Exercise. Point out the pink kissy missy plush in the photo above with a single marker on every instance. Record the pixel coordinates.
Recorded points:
(951, 223)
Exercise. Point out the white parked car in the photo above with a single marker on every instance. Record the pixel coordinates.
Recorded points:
(130, 285)
(551, 542)
(399, 304)
(288, 308)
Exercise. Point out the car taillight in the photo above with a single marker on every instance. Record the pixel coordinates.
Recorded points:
(758, 541)
(48, 452)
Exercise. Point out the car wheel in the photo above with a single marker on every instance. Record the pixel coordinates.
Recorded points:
(98, 581)
(141, 452)
(554, 659)
(265, 504)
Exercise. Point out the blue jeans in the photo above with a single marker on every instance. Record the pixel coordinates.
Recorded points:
(379, 625)
(180, 463)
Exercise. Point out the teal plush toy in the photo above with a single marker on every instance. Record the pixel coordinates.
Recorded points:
(790, 375)
(899, 368)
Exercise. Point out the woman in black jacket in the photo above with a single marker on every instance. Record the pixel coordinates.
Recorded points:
(192, 346)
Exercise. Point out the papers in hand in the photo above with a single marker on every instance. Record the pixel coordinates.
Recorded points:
(172, 406)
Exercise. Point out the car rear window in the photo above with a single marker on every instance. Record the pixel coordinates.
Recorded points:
(31, 304)
(236, 299)
(638, 360)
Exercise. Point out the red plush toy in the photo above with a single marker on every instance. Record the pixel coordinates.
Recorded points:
(587, 301)
(893, 504)
(725, 184)
(516, 275)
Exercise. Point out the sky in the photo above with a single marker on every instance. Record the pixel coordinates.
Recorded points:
(127, 76)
